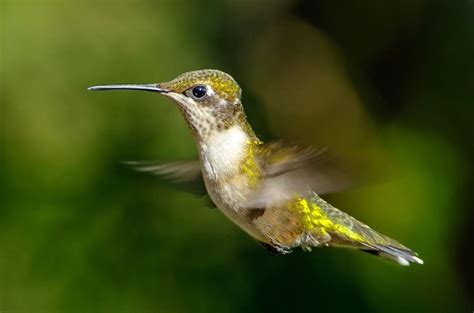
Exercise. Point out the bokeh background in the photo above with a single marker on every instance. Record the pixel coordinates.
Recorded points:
(387, 82)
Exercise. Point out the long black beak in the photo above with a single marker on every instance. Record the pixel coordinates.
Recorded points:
(146, 87)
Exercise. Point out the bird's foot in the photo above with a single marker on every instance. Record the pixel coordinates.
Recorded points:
(275, 249)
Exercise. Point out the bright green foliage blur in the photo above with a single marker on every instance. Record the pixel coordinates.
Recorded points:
(390, 83)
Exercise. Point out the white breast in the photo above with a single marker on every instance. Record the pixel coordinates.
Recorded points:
(221, 157)
(222, 153)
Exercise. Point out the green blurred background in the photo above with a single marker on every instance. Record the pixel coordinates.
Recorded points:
(390, 82)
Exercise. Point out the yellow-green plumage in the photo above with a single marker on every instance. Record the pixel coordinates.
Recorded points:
(312, 222)
(223, 84)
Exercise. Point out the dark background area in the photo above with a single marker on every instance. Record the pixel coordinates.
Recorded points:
(390, 83)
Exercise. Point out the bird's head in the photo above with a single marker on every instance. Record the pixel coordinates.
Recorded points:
(210, 100)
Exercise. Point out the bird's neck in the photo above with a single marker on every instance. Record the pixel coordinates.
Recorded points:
(229, 152)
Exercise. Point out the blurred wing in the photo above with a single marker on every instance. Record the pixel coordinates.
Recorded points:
(183, 174)
(293, 169)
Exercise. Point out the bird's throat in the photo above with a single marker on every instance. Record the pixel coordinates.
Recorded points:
(223, 152)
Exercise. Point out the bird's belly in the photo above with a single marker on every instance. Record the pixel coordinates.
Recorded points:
(230, 199)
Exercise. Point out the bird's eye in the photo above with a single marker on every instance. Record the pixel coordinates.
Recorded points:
(199, 91)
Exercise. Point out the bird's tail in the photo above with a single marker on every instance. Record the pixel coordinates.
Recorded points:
(400, 255)
(346, 231)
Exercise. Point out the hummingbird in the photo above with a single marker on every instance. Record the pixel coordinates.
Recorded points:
(271, 190)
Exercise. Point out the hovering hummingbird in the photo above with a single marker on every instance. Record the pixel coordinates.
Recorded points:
(271, 190)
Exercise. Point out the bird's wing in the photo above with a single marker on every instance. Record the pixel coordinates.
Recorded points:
(183, 174)
(294, 169)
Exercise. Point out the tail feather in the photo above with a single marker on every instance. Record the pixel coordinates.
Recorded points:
(401, 256)
(329, 226)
